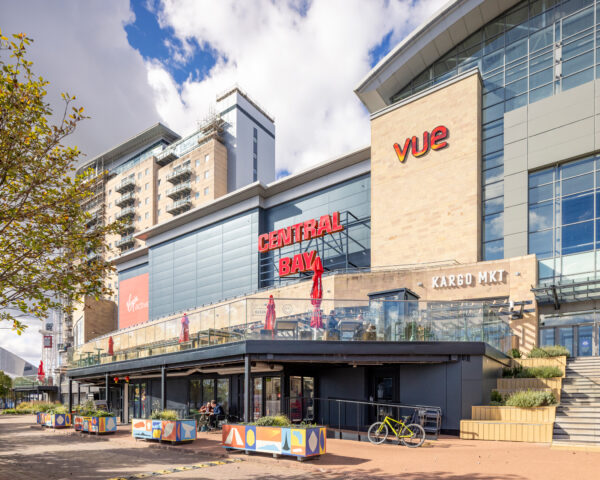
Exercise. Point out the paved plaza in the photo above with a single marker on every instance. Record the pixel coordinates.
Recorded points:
(28, 452)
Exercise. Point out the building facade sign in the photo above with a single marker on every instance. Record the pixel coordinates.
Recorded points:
(486, 277)
(304, 231)
(431, 141)
(133, 301)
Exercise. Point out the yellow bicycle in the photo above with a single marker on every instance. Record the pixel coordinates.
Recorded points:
(411, 435)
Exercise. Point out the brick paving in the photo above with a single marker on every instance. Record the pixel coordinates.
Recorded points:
(28, 452)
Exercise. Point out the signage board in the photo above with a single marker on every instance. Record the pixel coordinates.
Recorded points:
(47, 341)
(133, 301)
(431, 141)
(485, 277)
(304, 231)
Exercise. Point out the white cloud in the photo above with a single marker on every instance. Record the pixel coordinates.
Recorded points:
(82, 48)
(300, 69)
(28, 345)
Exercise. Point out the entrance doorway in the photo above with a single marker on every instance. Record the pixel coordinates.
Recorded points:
(579, 333)
(138, 400)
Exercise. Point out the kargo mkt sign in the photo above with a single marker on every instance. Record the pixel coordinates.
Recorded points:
(314, 228)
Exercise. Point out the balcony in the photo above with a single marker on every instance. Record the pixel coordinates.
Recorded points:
(126, 242)
(126, 185)
(361, 320)
(166, 157)
(126, 200)
(128, 228)
(180, 206)
(180, 190)
(179, 175)
(95, 216)
(128, 212)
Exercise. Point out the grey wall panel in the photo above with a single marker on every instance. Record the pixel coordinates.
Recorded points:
(515, 219)
(560, 110)
(133, 272)
(561, 143)
(515, 245)
(515, 156)
(515, 189)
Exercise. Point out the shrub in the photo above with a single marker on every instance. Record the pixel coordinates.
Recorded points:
(34, 407)
(548, 351)
(496, 397)
(164, 415)
(514, 353)
(57, 409)
(496, 404)
(530, 398)
(9, 411)
(532, 372)
(273, 421)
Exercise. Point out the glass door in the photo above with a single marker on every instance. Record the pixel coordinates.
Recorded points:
(257, 398)
(565, 338)
(137, 401)
(585, 340)
(272, 396)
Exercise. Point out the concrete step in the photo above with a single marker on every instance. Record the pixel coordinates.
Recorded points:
(569, 422)
(581, 380)
(583, 428)
(580, 370)
(576, 437)
(569, 402)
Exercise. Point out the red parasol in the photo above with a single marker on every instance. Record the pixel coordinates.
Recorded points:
(316, 295)
(271, 317)
(41, 373)
(111, 346)
(184, 336)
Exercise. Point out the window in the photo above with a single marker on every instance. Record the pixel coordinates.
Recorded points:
(109, 191)
(206, 158)
(255, 156)
(147, 215)
(197, 162)
(206, 173)
(206, 191)
(197, 194)
(147, 201)
(147, 186)
(109, 218)
(159, 181)
(109, 204)
(564, 204)
(147, 171)
(158, 197)
(139, 218)
(158, 213)
(139, 175)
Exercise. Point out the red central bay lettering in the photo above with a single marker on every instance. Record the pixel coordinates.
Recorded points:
(301, 262)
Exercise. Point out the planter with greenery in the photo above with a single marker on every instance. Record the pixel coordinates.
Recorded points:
(164, 426)
(55, 417)
(276, 435)
(548, 356)
(89, 419)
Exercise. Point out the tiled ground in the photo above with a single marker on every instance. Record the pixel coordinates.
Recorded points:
(28, 452)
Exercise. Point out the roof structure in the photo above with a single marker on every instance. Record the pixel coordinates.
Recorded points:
(453, 23)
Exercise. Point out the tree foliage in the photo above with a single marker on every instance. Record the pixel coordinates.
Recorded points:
(5, 384)
(45, 245)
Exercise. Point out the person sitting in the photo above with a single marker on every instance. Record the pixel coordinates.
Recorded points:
(216, 413)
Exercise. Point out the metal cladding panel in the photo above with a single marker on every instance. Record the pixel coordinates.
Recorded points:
(204, 266)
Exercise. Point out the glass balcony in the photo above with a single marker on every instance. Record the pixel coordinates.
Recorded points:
(126, 212)
(127, 199)
(126, 185)
(180, 190)
(125, 242)
(180, 206)
(336, 320)
(179, 174)
(95, 216)
(165, 157)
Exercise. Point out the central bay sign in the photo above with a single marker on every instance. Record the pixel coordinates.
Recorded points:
(486, 277)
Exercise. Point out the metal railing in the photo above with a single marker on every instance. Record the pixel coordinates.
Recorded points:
(179, 173)
(125, 185)
(338, 320)
(129, 211)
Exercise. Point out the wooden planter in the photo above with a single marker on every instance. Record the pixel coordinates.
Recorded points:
(95, 425)
(176, 431)
(296, 442)
(509, 424)
(560, 362)
(511, 385)
(54, 420)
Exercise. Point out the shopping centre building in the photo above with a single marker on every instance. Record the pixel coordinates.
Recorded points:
(468, 227)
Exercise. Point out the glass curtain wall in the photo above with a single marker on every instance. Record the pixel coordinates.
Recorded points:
(534, 50)
(564, 228)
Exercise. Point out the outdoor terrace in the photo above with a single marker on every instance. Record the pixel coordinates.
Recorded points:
(352, 321)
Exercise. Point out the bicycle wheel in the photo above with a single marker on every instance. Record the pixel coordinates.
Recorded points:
(378, 432)
(415, 435)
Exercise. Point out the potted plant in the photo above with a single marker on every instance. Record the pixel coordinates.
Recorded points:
(164, 426)
(55, 417)
(92, 420)
(276, 435)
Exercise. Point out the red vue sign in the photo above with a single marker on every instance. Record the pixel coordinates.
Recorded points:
(431, 141)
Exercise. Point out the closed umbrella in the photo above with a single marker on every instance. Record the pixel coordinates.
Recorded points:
(316, 295)
(184, 336)
(270, 317)
(41, 373)
(111, 346)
